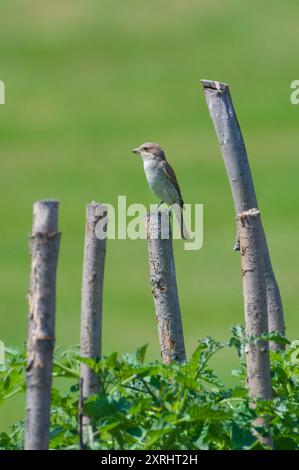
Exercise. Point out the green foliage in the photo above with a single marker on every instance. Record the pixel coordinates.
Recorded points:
(12, 378)
(153, 406)
(86, 81)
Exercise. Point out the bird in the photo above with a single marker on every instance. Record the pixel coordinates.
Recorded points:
(160, 176)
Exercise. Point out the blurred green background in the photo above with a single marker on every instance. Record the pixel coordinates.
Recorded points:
(86, 81)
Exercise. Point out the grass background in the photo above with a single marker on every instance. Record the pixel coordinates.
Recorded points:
(88, 81)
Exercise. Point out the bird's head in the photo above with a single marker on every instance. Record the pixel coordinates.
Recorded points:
(150, 150)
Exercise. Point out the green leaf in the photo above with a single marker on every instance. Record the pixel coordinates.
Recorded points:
(241, 438)
(140, 353)
(285, 443)
(238, 339)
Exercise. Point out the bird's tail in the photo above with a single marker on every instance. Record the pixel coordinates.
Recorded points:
(184, 232)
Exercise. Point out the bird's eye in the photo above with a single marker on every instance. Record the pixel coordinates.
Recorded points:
(145, 148)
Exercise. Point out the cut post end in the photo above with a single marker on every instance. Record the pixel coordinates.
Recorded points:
(45, 216)
(214, 85)
(96, 210)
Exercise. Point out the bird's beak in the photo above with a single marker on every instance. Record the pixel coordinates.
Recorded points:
(136, 150)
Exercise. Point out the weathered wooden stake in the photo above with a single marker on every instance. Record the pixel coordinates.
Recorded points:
(255, 306)
(164, 287)
(255, 303)
(236, 162)
(92, 298)
(44, 246)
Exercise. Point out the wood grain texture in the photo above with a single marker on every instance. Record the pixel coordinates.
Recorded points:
(44, 247)
(255, 308)
(164, 287)
(92, 300)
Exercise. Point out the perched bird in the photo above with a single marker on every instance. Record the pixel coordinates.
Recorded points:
(160, 175)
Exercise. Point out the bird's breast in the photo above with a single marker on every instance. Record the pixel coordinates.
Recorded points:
(151, 172)
(159, 182)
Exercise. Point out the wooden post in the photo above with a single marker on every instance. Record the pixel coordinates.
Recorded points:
(255, 303)
(92, 298)
(44, 246)
(239, 175)
(255, 306)
(164, 287)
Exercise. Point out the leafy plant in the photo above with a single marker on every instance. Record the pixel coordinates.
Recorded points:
(153, 406)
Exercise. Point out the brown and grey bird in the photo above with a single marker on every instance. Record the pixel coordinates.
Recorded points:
(159, 174)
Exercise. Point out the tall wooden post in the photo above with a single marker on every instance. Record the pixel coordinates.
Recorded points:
(92, 299)
(234, 153)
(255, 307)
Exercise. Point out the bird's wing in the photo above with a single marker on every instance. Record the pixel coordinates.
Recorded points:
(171, 175)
